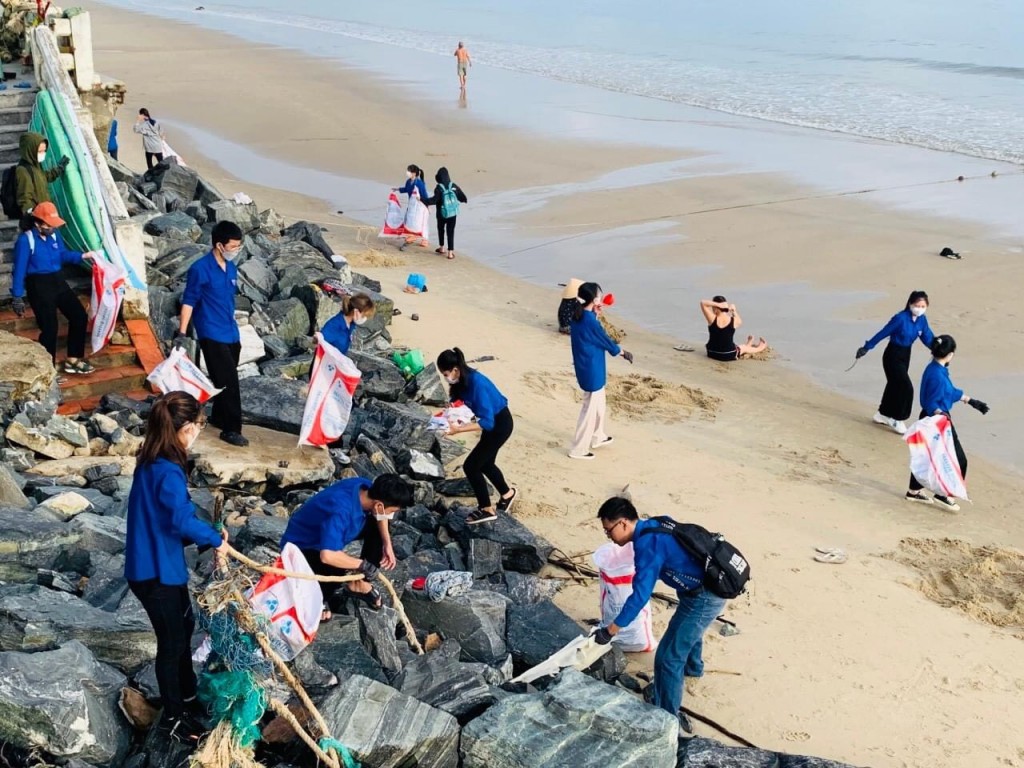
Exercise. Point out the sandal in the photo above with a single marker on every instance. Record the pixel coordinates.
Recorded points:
(451, 255)
(326, 615)
(834, 557)
(440, 250)
(372, 598)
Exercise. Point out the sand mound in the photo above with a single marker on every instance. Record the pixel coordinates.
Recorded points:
(986, 583)
(638, 396)
(371, 257)
(614, 332)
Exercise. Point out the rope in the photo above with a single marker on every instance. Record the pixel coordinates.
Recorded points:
(720, 728)
(410, 631)
(290, 574)
(286, 714)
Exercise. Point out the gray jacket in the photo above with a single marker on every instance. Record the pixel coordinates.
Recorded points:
(152, 135)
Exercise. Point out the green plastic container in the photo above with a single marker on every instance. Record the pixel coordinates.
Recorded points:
(410, 362)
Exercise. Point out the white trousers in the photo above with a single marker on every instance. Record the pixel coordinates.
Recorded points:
(590, 426)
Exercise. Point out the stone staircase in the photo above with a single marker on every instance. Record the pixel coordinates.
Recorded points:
(15, 114)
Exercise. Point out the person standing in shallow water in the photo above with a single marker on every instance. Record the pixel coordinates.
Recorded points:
(463, 61)
(902, 330)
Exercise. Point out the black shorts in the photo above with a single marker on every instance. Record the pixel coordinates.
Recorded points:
(725, 357)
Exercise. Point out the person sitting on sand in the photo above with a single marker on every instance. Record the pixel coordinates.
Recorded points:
(350, 509)
(355, 311)
(723, 320)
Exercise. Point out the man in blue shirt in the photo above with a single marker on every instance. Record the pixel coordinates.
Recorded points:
(338, 515)
(656, 556)
(209, 302)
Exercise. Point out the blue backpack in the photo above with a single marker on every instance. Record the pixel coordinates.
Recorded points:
(449, 202)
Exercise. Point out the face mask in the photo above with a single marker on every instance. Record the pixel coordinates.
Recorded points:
(40, 157)
(918, 311)
(452, 379)
(46, 231)
(360, 320)
(410, 175)
(230, 255)
(192, 440)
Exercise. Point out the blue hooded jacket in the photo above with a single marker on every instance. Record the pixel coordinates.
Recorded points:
(483, 399)
(331, 519)
(938, 394)
(338, 332)
(589, 345)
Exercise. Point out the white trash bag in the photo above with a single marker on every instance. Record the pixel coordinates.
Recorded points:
(292, 606)
(179, 374)
(394, 219)
(332, 382)
(108, 285)
(933, 457)
(417, 219)
(616, 568)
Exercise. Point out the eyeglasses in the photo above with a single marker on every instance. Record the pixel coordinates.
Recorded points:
(607, 531)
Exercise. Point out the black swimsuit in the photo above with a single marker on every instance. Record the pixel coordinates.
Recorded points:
(720, 344)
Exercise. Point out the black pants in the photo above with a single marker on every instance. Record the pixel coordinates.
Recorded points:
(150, 157)
(961, 457)
(481, 460)
(446, 226)
(222, 364)
(112, 153)
(170, 611)
(898, 397)
(48, 293)
(373, 551)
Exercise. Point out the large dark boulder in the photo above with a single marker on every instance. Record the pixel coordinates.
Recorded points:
(174, 226)
(274, 403)
(521, 549)
(475, 619)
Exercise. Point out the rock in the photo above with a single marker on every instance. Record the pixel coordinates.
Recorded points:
(180, 181)
(197, 211)
(69, 431)
(382, 379)
(17, 459)
(100, 471)
(10, 489)
(476, 620)
(30, 540)
(387, 729)
(104, 425)
(296, 367)
(393, 425)
(38, 619)
(419, 465)
(66, 505)
(62, 582)
(521, 549)
(271, 222)
(107, 586)
(101, 504)
(526, 589)
(26, 372)
(536, 631)
(276, 346)
(174, 265)
(218, 463)
(63, 702)
(79, 465)
(459, 488)
(252, 346)
(308, 233)
(40, 440)
(273, 403)
(420, 518)
(99, 533)
(174, 226)
(377, 630)
(430, 388)
(115, 401)
(484, 557)
(320, 306)
(340, 650)
(312, 675)
(256, 280)
(703, 753)
(287, 318)
(206, 193)
(438, 679)
(260, 529)
(577, 723)
(245, 215)
(297, 263)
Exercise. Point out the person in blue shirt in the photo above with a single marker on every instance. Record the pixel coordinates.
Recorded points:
(355, 311)
(413, 183)
(112, 140)
(493, 422)
(656, 556)
(332, 519)
(161, 519)
(39, 255)
(590, 343)
(902, 330)
(209, 302)
(938, 396)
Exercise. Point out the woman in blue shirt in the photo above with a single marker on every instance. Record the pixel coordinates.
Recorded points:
(590, 344)
(355, 311)
(493, 422)
(939, 395)
(161, 519)
(413, 182)
(902, 330)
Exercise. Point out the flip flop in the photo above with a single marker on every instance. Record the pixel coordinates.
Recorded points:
(438, 250)
(827, 550)
(837, 557)
(683, 348)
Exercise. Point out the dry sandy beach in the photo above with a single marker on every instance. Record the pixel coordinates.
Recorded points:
(910, 654)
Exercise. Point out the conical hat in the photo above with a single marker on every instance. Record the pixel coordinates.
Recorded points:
(572, 289)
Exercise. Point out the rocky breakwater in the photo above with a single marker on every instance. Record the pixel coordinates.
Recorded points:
(75, 649)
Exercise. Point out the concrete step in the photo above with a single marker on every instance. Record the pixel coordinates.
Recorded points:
(10, 152)
(19, 116)
(91, 403)
(17, 97)
(103, 381)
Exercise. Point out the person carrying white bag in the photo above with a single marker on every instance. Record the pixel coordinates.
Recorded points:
(930, 462)
(179, 374)
(291, 606)
(108, 285)
(332, 383)
(616, 568)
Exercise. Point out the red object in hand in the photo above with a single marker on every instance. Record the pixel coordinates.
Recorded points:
(608, 299)
(419, 583)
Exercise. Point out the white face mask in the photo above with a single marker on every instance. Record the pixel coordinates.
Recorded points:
(40, 157)
(195, 436)
(918, 311)
(452, 378)
(358, 320)
(231, 255)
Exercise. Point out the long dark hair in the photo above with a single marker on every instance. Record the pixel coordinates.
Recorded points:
(170, 413)
(145, 113)
(584, 298)
(451, 359)
(942, 346)
(415, 169)
(359, 301)
(916, 296)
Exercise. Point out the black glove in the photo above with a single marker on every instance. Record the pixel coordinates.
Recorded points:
(368, 569)
(979, 406)
(861, 352)
(18, 305)
(179, 339)
(64, 162)
(602, 636)
(628, 356)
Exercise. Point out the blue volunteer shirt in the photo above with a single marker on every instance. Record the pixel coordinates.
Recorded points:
(330, 520)
(38, 255)
(338, 333)
(210, 291)
(483, 399)
(658, 556)
(161, 517)
(937, 390)
(903, 330)
(418, 185)
(589, 345)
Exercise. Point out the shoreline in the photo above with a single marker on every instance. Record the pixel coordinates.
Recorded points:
(778, 464)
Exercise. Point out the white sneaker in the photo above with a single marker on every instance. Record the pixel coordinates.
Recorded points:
(899, 427)
(878, 418)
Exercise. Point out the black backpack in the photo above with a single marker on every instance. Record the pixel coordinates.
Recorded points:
(9, 193)
(726, 570)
